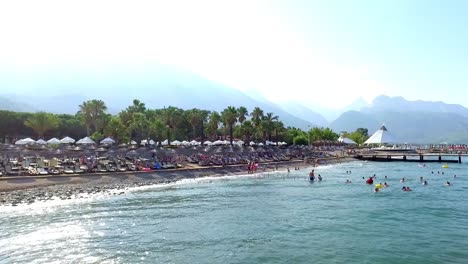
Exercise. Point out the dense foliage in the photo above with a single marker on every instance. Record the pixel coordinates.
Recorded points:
(138, 122)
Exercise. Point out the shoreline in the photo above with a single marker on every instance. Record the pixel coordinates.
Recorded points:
(29, 189)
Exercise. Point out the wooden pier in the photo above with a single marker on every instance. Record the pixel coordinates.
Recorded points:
(407, 157)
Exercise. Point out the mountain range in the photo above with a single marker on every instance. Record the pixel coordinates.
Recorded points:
(409, 121)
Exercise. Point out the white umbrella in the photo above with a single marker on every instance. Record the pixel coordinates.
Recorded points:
(86, 140)
(107, 140)
(208, 143)
(165, 142)
(41, 142)
(176, 142)
(25, 141)
(67, 140)
(133, 142)
(185, 143)
(252, 143)
(53, 141)
(151, 142)
(194, 143)
(260, 144)
(144, 142)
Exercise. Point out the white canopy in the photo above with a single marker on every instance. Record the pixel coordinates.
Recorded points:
(133, 142)
(67, 140)
(381, 136)
(107, 140)
(208, 143)
(86, 140)
(53, 141)
(194, 143)
(41, 142)
(25, 141)
(165, 142)
(185, 143)
(176, 143)
(346, 140)
(252, 143)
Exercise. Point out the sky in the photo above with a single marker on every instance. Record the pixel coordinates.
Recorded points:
(325, 53)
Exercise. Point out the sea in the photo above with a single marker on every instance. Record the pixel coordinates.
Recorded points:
(272, 217)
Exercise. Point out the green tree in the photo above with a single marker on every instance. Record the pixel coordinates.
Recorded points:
(42, 122)
(229, 116)
(116, 130)
(139, 126)
(92, 113)
(268, 124)
(257, 116)
(213, 124)
(242, 112)
(247, 130)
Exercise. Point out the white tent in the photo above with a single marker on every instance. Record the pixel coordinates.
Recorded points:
(67, 140)
(346, 140)
(41, 142)
(25, 141)
(381, 136)
(107, 140)
(53, 141)
(185, 143)
(86, 140)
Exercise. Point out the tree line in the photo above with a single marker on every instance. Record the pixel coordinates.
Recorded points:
(138, 122)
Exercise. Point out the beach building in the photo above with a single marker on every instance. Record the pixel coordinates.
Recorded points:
(381, 136)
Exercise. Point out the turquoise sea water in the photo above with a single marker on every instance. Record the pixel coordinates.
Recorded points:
(270, 218)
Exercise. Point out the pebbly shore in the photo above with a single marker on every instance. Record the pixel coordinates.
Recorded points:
(27, 190)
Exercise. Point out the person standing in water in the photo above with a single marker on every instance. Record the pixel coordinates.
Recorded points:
(312, 175)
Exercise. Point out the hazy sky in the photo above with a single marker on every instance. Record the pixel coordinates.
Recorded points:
(318, 52)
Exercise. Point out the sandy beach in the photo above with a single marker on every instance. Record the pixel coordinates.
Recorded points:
(28, 189)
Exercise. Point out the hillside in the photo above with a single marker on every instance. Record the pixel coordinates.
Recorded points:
(163, 86)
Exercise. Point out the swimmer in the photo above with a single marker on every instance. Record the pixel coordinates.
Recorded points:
(385, 177)
(448, 183)
(403, 188)
(424, 183)
(385, 184)
(347, 181)
(442, 173)
(408, 189)
(319, 177)
(402, 180)
(421, 178)
(374, 176)
(454, 176)
(376, 190)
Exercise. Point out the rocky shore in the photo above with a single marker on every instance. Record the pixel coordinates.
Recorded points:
(27, 190)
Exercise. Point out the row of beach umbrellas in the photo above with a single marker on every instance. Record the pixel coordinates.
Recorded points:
(65, 140)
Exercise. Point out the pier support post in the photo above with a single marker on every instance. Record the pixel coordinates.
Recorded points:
(440, 158)
(404, 158)
(421, 158)
(459, 159)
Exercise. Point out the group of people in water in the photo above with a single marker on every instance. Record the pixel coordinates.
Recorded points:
(312, 176)
(370, 181)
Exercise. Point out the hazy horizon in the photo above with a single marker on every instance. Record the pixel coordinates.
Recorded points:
(326, 53)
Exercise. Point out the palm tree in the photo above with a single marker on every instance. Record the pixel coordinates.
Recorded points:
(229, 116)
(42, 122)
(213, 124)
(242, 112)
(279, 126)
(247, 130)
(268, 124)
(139, 126)
(257, 116)
(171, 116)
(91, 113)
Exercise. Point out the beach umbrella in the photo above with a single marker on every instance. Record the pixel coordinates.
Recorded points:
(194, 143)
(85, 141)
(185, 143)
(151, 142)
(67, 140)
(176, 143)
(165, 142)
(252, 143)
(53, 141)
(208, 143)
(41, 142)
(107, 140)
(133, 142)
(25, 141)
